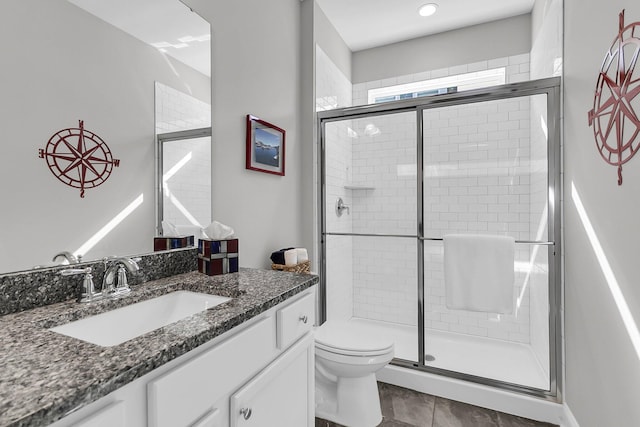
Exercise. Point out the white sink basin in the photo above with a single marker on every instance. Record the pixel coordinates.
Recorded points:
(122, 324)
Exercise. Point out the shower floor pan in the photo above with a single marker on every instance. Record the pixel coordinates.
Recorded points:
(483, 357)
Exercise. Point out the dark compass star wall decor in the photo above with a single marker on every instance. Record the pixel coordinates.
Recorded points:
(614, 116)
(78, 158)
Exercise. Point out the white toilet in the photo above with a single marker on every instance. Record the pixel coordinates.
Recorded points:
(347, 358)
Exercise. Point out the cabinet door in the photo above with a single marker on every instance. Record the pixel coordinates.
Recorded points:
(281, 395)
(211, 419)
(184, 394)
(110, 416)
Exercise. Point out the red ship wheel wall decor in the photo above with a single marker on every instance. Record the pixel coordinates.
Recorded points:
(614, 115)
(78, 158)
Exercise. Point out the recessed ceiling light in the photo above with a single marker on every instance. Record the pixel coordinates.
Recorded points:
(428, 9)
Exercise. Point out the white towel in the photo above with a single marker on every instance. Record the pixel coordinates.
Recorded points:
(291, 257)
(478, 272)
(303, 255)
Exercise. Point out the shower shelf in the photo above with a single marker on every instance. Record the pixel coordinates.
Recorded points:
(358, 187)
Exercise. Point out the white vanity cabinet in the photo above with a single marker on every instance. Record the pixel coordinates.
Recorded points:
(258, 374)
(185, 394)
(261, 376)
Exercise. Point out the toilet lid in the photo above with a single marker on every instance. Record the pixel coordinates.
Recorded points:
(350, 339)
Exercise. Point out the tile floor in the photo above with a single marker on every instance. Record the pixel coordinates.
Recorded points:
(407, 408)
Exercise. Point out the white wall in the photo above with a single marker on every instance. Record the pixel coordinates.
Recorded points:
(63, 65)
(496, 39)
(257, 60)
(308, 134)
(602, 364)
(331, 43)
(546, 39)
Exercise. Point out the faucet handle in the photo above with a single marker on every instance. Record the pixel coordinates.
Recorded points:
(123, 284)
(87, 292)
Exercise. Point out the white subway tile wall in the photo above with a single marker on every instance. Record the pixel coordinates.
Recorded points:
(187, 193)
(333, 90)
(479, 178)
(385, 269)
(177, 110)
(385, 279)
(539, 259)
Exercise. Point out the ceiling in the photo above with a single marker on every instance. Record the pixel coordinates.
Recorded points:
(364, 24)
(172, 27)
(165, 24)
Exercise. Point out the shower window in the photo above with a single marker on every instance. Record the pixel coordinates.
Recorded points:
(449, 84)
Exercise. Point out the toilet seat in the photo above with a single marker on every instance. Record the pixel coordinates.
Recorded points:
(354, 353)
(346, 339)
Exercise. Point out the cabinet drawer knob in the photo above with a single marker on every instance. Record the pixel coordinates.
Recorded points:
(304, 319)
(246, 413)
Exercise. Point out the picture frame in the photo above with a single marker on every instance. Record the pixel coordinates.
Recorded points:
(265, 146)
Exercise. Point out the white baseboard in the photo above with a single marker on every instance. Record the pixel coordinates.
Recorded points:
(476, 394)
(568, 420)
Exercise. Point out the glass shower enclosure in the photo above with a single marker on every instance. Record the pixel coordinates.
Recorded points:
(397, 177)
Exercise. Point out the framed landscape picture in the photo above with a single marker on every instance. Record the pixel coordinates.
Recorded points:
(265, 146)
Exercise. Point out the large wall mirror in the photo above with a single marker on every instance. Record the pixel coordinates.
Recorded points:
(98, 62)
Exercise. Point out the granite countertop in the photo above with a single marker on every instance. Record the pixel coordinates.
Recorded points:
(45, 375)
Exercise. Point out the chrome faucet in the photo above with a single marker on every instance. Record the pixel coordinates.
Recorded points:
(114, 281)
(71, 258)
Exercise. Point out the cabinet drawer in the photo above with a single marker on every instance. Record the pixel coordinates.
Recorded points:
(188, 392)
(295, 320)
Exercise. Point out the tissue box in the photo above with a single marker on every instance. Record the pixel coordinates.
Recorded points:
(166, 243)
(217, 256)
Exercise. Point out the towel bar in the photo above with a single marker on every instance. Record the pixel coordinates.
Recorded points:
(529, 242)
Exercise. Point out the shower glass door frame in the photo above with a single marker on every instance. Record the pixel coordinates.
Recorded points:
(549, 87)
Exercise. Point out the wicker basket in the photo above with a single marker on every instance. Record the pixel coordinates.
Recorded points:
(303, 267)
